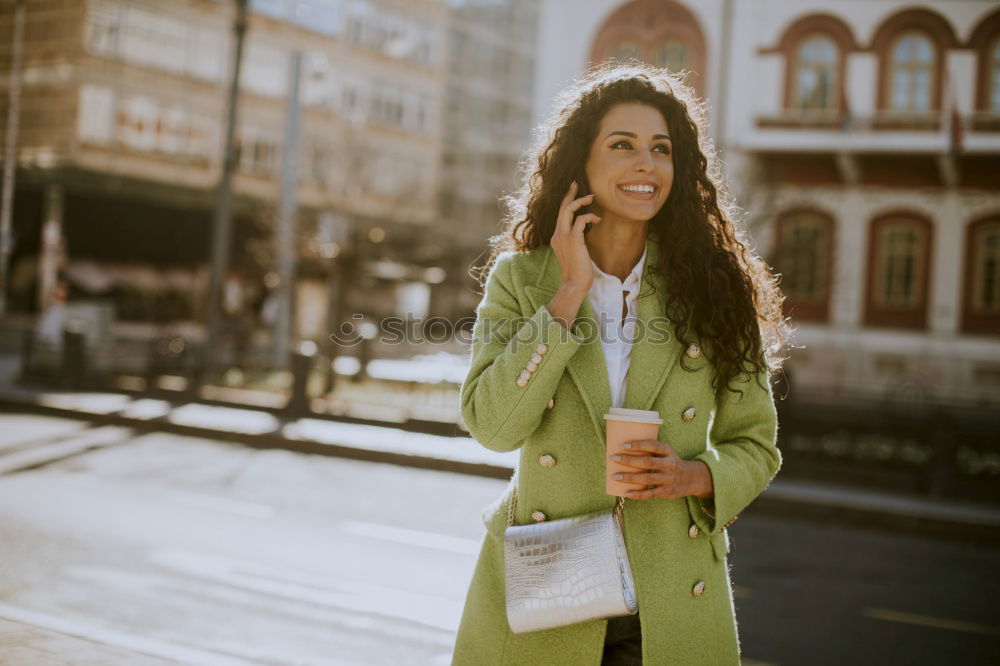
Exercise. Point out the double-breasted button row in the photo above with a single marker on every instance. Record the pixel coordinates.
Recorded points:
(531, 365)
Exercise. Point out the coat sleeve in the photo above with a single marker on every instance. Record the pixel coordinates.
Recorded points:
(499, 413)
(743, 456)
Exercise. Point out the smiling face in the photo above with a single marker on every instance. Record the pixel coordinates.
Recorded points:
(630, 168)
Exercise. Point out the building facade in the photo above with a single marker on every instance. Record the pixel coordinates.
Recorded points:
(862, 139)
(123, 106)
(487, 111)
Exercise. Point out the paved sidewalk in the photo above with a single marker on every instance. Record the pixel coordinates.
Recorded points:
(24, 644)
(381, 443)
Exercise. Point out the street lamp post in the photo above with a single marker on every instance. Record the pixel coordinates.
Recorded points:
(287, 208)
(222, 227)
(10, 152)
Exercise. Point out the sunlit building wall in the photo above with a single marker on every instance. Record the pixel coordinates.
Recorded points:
(863, 142)
(123, 105)
(487, 110)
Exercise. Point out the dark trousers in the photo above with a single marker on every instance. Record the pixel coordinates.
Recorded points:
(623, 642)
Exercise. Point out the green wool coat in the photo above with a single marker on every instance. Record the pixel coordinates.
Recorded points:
(559, 413)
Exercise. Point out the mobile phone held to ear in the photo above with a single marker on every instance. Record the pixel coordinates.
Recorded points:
(584, 191)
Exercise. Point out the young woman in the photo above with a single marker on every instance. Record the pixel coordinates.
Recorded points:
(621, 280)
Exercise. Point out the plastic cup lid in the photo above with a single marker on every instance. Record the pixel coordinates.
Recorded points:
(636, 415)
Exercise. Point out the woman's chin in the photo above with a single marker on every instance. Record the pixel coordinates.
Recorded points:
(635, 213)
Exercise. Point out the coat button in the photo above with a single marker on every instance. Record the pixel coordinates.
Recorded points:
(522, 382)
(693, 531)
(547, 461)
(689, 413)
(536, 358)
(531, 367)
(537, 516)
(698, 589)
(541, 348)
(525, 375)
(693, 350)
(552, 403)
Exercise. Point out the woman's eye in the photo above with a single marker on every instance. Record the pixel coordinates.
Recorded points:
(665, 149)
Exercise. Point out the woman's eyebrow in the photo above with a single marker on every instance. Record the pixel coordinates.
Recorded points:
(636, 136)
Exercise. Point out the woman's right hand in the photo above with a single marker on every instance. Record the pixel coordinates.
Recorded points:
(568, 241)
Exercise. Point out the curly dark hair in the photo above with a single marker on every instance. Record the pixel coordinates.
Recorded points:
(716, 284)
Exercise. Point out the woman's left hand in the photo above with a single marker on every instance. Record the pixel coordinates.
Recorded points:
(664, 470)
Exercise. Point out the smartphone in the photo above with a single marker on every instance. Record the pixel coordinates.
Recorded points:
(584, 190)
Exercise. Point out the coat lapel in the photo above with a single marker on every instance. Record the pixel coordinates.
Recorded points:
(654, 353)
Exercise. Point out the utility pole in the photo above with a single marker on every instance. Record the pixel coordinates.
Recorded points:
(10, 154)
(287, 207)
(222, 225)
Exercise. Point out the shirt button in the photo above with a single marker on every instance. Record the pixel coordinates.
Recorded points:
(537, 516)
(547, 461)
(689, 413)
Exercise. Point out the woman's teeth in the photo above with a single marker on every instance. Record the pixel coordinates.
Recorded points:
(641, 190)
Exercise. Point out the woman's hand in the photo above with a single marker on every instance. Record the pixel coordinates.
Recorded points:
(667, 472)
(568, 241)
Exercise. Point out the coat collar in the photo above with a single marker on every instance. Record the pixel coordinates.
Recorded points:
(654, 352)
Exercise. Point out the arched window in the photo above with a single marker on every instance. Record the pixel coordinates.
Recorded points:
(911, 73)
(816, 74)
(663, 33)
(982, 283)
(985, 41)
(673, 55)
(624, 51)
(900, 261)
(803, 257)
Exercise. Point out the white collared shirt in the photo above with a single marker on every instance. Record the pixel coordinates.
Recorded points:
(606, 299)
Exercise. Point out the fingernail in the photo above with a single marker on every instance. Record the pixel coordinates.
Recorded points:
(627, 445)
(616, 476)
(616, 458)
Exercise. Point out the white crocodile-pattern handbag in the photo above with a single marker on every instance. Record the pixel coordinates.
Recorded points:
(566, 571)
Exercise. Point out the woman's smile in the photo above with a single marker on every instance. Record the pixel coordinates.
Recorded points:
(639, 191)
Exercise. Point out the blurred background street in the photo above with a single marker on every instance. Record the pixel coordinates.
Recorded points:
(190, 548)
(238, 253)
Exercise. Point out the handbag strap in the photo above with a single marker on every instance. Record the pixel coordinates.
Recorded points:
(513, 503)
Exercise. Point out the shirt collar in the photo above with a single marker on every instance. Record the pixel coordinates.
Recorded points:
(636, 270)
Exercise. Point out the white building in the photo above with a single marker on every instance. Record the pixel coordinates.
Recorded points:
(862, 137)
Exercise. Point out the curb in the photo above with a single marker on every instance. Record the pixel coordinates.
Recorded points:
(356, 440)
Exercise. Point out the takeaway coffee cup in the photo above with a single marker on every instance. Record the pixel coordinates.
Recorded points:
(625, 425)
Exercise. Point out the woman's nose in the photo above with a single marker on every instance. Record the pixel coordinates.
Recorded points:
(644, 162)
